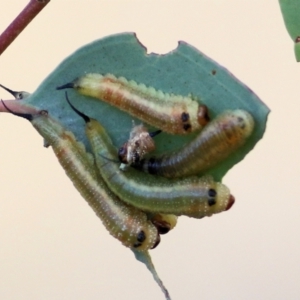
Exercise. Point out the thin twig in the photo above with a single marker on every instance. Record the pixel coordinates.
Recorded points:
(20, 22)
(17, 106)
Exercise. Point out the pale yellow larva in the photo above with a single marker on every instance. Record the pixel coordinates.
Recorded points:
(174, 114)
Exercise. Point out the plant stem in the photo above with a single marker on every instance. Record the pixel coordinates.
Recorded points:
(17, 107)
(20, 22)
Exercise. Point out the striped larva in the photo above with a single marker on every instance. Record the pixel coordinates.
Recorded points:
(128, 224)
(194, 197)
(174, 114)
(217, 141)
(139, 144)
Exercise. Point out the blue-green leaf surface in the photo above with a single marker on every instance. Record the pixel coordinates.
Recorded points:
(290, 10)
(183, 71)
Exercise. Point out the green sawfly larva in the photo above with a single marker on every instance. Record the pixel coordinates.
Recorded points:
(194, 197)
(128, 224)
(217, 141)
(174, 114)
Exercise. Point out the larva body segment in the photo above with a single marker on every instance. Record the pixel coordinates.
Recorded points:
(174, 114)
(126, 223)
(217, 141)
(193, 197)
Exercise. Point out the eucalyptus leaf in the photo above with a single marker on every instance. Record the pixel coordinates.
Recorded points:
(290, 10)
(183, 71)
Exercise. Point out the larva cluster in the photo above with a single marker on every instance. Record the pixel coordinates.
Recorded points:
(134, 208)
(193, 197)
(217, 140)
(170, 113)
(137, 207)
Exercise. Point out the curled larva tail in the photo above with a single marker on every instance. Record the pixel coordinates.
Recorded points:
(174, 114)
(216, 142)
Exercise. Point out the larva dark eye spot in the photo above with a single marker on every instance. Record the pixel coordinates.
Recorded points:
(211, 202)
(141, 236)
(187, 127)
(185, 117)
(241, 122)
(212, 193)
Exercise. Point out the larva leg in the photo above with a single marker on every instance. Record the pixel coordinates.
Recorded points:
(193, 197)
(126, 223)
(216, 142)
(171, 113)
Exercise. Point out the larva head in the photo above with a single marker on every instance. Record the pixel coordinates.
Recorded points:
(216, 198)
(244, 121)
(237, 125)
(145, 237)
(163, 222)
(219, 199)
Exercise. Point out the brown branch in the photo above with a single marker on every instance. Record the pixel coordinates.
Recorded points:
(20, 22)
